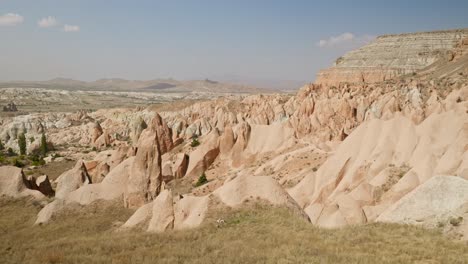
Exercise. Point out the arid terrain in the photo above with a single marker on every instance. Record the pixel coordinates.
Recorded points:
(368, 164)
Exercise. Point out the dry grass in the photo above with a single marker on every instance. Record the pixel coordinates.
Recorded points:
(257, 234)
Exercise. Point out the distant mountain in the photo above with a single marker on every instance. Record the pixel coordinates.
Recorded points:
(157, 85)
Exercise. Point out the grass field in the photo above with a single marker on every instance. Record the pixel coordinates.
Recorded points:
(258, 234)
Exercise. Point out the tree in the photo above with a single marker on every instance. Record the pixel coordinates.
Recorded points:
(44, 145)
(22, 143)
(1, 145)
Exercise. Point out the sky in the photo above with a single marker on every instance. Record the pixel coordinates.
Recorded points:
(244, 40)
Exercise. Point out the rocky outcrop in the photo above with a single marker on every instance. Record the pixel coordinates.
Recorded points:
(391, 56)
(379, 163)
(145, 180)
(14, 184)
(180, 165)
(162, 212)
(72, 180)
(166, 212)
(44, 186)
(429, 202)
(204, 155)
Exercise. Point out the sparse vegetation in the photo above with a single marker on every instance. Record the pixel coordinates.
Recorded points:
(256, 234)
(36, 160)
(195, 142)
(456, 221)
(10, 152)
(22, 143)
(44, 148)
(201, 180)
(17, 163)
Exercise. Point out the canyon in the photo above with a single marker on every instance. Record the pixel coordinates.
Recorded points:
(380, 138)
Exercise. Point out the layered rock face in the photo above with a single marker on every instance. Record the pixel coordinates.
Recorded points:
(390, 56)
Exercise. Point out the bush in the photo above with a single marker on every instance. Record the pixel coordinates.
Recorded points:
(17, 163)
(195, 142)
(201, 180)
(456, 221)
(40, 162)
(1, 145)
(22, 143)
(10, 152)
(36, 160)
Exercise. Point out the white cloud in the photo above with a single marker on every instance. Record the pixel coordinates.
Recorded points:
(11, 19)
(345, 39)
(71, 28)
(47, 22)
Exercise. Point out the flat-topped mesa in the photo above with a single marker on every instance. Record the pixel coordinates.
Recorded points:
(390, 56)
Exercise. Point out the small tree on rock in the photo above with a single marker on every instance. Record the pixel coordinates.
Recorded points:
(22, 144)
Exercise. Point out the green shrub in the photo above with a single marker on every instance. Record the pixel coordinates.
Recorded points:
(201, 180)
(195, 142)
(10, 152)
(40, 162)
(456, 221)
(36, 160)
(17, 163)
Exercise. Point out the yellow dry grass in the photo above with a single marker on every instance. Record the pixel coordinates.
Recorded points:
(256, 234)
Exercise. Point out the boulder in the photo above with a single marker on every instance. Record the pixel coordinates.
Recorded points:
(72, 180)
(112, 187)
(162, 213)
(14, 184)
(44, 186)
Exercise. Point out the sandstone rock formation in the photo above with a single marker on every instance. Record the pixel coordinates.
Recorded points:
(72, 180)
(166, 212)
(145, 180)
(357, 148)
(430, 201)
(204, 155)
(14, 184)
(390, 56)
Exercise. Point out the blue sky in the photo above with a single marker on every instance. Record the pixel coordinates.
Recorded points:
(237, 39)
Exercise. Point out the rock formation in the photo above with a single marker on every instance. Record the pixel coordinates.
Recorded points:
(391, 56)
(367, 142)
(14, 184)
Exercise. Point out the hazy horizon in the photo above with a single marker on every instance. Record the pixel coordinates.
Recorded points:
(238, 41)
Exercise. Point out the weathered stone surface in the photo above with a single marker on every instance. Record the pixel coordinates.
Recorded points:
(180, 165)
(390, 56)
(72, 180)
(14, 184)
